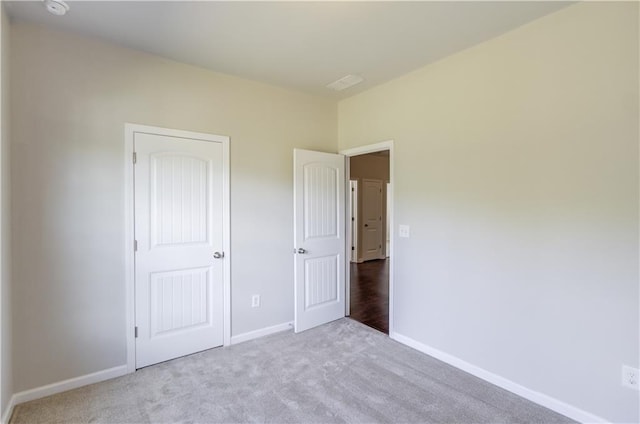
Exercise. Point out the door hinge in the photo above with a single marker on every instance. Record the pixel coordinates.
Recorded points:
(353, 248)
(135, 157)
(353, 219)
(135, 332)
(135, 245)
(380, 247)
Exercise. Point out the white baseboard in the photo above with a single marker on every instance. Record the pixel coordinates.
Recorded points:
(62, 386)
(244, 337)
(96, 377)
(7, 412)
(536, 397)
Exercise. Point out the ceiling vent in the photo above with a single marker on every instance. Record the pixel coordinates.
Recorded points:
(56, 7)
(345, 82)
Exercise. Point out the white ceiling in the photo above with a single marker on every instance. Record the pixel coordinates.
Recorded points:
(299, 45)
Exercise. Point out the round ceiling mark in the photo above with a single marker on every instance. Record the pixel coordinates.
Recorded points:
(56, 7)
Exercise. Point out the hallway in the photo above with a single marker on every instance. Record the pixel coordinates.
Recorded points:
(370, 294)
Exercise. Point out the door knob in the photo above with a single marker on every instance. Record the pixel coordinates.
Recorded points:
(218, 255)
(301, 251)
(366, 225)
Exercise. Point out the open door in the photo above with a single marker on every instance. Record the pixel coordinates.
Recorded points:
(319, 245)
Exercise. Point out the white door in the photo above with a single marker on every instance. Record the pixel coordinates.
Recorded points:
(372, 231)
(178, 184)
(319, 245)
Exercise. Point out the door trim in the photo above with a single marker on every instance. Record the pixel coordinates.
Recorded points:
(362, 150)
(353, 216)
(129, 259)
(352, 212)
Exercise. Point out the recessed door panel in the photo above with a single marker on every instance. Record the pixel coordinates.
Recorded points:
(320, 201)
(321, 281)
(179, 300)
(179, 191)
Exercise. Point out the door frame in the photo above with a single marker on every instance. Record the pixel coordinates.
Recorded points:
(357, 151)
(352, 216)
(129, 259)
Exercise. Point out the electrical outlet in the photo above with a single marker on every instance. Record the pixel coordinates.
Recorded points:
(404, 231)
(630, 377)
(255, 300)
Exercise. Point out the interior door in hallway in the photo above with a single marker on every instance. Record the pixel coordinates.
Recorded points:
(179, 306)
(372, 226)
(319, 238)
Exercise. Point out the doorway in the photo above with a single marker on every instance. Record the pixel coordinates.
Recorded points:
(369, 268)
(322, 287)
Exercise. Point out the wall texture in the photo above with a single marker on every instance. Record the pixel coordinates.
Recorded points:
(70, 99)
(6, 367)
(517, 169)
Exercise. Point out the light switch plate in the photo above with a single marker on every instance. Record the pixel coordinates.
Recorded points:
(404, 231)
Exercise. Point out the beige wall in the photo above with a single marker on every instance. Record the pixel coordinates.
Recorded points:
(517, 169)
(376, 167)
(70, 99)
(6, 367)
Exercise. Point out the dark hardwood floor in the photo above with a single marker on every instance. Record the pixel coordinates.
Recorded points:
(370, 294)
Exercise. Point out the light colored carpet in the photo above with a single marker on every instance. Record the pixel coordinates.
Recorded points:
(339, 372)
